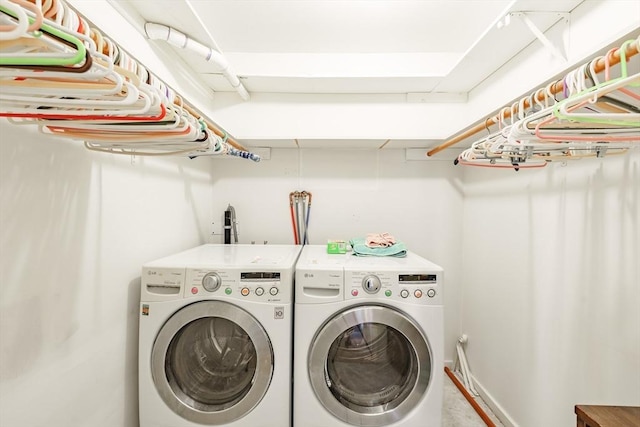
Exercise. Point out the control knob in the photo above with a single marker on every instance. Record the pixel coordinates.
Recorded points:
(371, 284)
(211, 282)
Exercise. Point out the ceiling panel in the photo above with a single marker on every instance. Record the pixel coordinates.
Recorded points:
(346, 26)
(357, 85)
(349, 46)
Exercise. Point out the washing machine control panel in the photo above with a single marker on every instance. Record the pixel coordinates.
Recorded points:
(263, 286)
(415, 288)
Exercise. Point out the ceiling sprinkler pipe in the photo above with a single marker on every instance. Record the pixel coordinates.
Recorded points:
(181, 40)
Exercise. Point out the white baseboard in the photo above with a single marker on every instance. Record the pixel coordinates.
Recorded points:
(493, 404)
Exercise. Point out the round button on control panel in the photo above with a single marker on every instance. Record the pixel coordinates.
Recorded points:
(431, 293)
(404, 293)
(273, 291)
(417, 293)
(244, 292)
(259, 291)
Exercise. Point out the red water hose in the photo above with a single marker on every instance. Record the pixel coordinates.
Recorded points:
(293, 221)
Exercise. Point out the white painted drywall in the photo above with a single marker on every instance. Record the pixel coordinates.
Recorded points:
(276, 116)
(355, 192)
(551, 290)
(75, 228)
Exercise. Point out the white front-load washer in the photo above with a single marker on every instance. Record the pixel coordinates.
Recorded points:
(368, 341)
(215, 337)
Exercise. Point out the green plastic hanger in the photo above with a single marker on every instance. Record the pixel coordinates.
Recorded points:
(32, 60)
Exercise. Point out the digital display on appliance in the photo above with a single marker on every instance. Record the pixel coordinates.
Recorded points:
(260, 275)
(417, 278)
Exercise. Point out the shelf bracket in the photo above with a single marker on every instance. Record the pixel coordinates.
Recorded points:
(565, 19)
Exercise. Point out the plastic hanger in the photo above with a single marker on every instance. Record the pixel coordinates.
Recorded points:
(100, 80)
(578, 101)
(155, 146)
(521, 131)
(621, 119)
(8, 32)
(73, 58)
(45, 6)
(110, 101)
(496, 151)
(33, 26)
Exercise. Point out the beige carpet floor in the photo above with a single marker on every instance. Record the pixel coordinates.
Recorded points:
(457, 412)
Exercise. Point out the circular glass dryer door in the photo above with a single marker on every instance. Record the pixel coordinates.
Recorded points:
(212, 362)
(370, 365)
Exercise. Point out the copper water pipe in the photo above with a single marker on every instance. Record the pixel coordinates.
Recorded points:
(470, 398)
(631, 50)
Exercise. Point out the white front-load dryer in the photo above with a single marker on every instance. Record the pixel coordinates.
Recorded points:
(368, 341)
(215, 337)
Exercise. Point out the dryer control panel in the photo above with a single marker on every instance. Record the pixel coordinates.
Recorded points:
(415, 288)
(261, 286)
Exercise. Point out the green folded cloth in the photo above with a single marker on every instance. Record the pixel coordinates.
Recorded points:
(360, 248)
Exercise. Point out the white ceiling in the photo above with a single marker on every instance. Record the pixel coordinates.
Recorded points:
(349, 46)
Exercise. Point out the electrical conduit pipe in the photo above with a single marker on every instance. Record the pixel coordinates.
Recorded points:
(464, 365)
(181, 40)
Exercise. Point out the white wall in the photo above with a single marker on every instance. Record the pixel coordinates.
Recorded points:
(75, 228)
(354, 192)
(550, 294)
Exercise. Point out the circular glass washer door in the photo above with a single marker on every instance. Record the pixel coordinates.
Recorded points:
(370, 365)
(212, 362)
